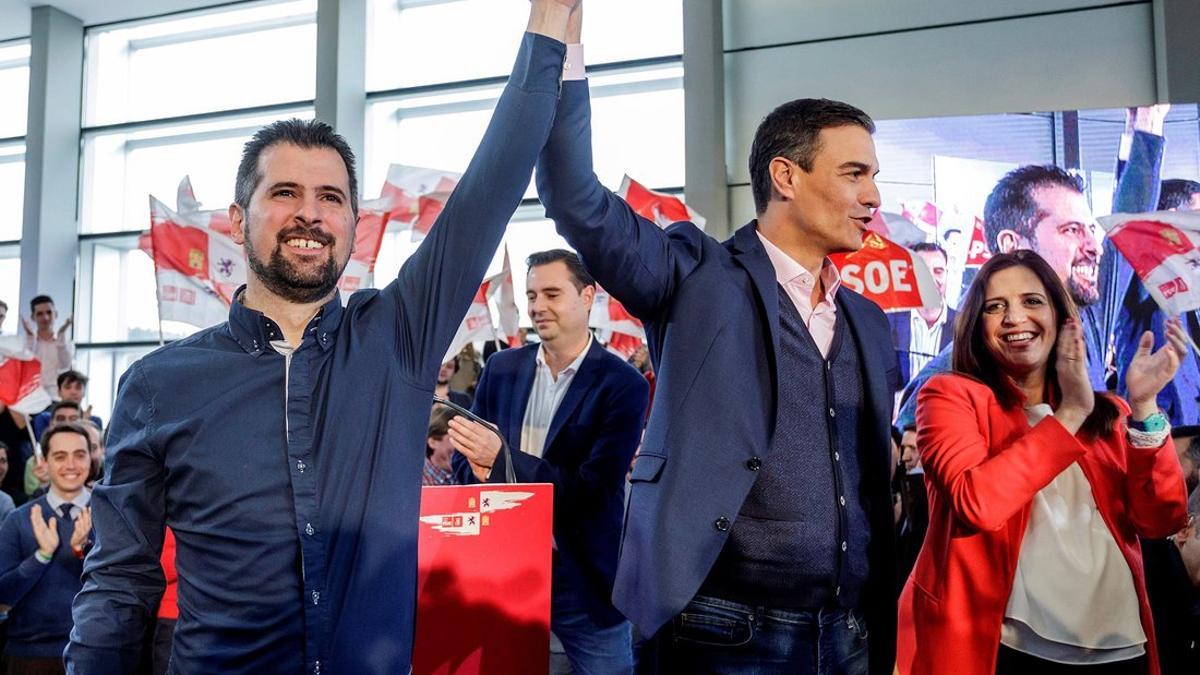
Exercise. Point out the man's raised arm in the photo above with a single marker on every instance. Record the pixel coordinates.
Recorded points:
(436, 285)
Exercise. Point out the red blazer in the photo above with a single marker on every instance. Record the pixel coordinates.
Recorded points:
(983, 466)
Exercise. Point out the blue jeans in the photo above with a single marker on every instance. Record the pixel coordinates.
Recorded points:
(712, 635)
(591, 648)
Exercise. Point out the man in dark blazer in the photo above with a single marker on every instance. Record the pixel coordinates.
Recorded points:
(572, 413)
(759, 524)
(920, 334)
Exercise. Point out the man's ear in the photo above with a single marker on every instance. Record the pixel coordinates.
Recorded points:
(588, 294)
(237, 224)
(783, 172)
(1008, 241)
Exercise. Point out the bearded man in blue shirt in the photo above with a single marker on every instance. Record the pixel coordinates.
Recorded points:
(278, 446)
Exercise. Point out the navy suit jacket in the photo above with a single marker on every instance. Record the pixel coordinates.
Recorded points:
(901, 326)
(711, 314)
(592, 439)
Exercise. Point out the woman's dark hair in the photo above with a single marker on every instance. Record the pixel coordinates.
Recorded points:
(972, 357)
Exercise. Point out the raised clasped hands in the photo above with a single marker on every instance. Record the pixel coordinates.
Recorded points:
(1150, 371)
(44, 531)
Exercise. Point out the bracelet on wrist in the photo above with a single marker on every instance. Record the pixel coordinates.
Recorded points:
(1156, 422)
(42, 558)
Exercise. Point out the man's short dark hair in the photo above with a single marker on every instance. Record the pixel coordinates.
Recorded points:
(39, 300)
(3, 305)
(307, 134)
(929, 247)
(1011, 205)
(1176, 193)
(793, 131)
(69, 376)
(64, 428)
(59, 405)
(579, 274)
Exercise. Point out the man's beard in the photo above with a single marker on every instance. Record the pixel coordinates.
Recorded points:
(283, 279)
(1083, 294)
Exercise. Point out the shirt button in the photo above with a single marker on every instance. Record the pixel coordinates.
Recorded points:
(754, 464)
(317, 667)
(316, 595)
(301, 466)
(837, 591)
(722, 524)
(837, 456)
(832, 412)
(843, 549)
(841, 500)
(308, 528)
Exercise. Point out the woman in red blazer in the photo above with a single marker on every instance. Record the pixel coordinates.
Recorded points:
(1031, 563)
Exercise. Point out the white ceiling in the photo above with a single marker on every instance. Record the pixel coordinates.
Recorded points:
(14, 14)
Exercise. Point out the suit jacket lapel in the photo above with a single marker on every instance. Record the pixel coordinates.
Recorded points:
(748, 251)
(519, 400)
(584, 378)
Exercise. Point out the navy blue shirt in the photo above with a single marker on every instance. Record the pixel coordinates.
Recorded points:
(293, 483)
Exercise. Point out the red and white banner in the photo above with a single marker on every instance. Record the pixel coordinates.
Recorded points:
(478, 326)
(977, 248)
(1164, 250)
(659, 207)
(418, 195)
(373, 218)
(888, 274)
(197, 268)
(622, 330)
(21, 379)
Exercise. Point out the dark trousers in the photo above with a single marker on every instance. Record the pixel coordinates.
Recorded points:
(713, 635)
(29, 665)
(1013, 662)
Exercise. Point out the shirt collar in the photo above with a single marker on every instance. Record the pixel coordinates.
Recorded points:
(788, 271)
(254, 331)
(81, 500)
(572, 367)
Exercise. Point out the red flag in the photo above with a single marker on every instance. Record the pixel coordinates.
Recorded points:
(977, 249)
(21, 380)
(613, 322)
(658, 207)
(888, 274)
(373, 218)
(418, 195)
(197, 268)
(1164, 250)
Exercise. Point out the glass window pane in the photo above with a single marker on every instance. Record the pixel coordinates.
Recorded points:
(10, 285)
(104, 368)
(120, 297)
(637, 129)
(256, 55)
(121, 169)
(12, 191)
(410, 42)
(14, 82)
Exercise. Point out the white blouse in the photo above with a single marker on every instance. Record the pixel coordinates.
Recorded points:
(1073, 599)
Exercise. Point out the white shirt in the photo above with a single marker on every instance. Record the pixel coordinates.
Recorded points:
(545, 397)
(798, 283)
(55, 356)
(80, 502)
(924, 340)
(1073, 599)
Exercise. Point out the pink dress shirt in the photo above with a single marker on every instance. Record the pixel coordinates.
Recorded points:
(798, 282)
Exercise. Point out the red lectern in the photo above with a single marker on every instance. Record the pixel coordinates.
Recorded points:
(483, 587)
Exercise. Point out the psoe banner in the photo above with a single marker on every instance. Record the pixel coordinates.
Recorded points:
(888, 274)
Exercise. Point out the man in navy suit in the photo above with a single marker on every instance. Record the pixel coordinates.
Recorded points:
(575, 412)
(919, 334)
(759, 526)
